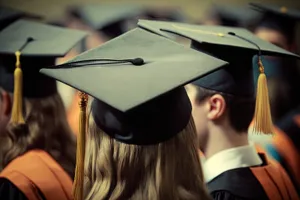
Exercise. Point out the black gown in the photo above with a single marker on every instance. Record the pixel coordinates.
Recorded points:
(243, 184)
(237, 184)
(8, 191)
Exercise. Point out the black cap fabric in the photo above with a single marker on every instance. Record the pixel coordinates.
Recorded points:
(280, 18)
(9, 15)
(108, 18)
(139, 101)
(174, 14)
(223, 43)
(46, 44)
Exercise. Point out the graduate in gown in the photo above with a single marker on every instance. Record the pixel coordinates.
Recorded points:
(278, 26)
(37, 147)
(223, 107)
(285, 147)
(141, 135)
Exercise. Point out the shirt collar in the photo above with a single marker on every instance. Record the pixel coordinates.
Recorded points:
(238, 157)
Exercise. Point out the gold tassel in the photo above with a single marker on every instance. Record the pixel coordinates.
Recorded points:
(17, 110)
(80, 154)
(262, 117)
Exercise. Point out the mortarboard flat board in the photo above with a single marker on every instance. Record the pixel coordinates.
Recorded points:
(48, 43)
(9, 15)
(279, 18)
(138, 104)
(223, 43)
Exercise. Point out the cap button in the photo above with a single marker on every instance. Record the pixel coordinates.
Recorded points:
(283, 9)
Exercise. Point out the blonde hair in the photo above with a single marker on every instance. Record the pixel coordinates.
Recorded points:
(168, 171)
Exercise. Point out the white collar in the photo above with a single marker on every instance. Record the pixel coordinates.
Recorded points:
(244, 156)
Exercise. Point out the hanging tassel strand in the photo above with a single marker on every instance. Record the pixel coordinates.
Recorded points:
(262, 117)
(17, 108)
(80, 154)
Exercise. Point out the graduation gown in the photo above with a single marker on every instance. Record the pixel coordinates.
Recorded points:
(35, 176)
(237, 180)
(286, 145)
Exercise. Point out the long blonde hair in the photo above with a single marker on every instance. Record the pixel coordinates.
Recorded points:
(168, 171)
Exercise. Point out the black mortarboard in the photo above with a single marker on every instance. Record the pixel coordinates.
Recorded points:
(165, 14)
(37, 45)
(234, 16)
(139, 99)
(234, 45)
(216, 41)
(108, 18)
(124, 91)
(280, 18)
(9, 15)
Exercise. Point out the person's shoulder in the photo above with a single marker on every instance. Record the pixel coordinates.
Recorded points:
(9, 191)
(237, 183)
(226, 195)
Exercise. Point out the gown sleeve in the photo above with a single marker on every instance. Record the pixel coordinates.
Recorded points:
(9, 191)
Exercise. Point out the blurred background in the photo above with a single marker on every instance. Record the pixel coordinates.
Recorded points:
(194, 9)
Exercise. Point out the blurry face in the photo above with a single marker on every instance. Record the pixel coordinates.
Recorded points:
(199, 113)
(272, 36)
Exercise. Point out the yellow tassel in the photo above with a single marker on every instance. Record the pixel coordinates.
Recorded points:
(80, 154)
(262, 117)
(17, 110)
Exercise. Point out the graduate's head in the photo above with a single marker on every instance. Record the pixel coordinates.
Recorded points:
(213, 109)
(277, 25)
(140, 116)
(37, 114)
(234, 81)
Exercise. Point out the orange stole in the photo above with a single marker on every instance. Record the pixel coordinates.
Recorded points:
(38, 170)
(275, 181)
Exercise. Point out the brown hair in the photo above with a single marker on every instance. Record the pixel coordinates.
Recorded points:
(236, 107)
(46, 128)
(169, 170)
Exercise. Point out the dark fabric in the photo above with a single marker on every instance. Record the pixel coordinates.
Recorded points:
(8, 191)
(225, 195)
(288, 126)
(151, 123)
(237, 184)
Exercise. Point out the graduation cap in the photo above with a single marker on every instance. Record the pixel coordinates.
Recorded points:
(9, 15)
(280, 18)
(137, 100)
(236, 46)
(26, 47)
(232, 15)
(165, 14)
(109, 18)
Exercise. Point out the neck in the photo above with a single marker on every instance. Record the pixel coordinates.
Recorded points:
(222, 138)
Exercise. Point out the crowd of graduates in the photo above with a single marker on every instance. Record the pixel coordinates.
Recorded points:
(126, 101)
